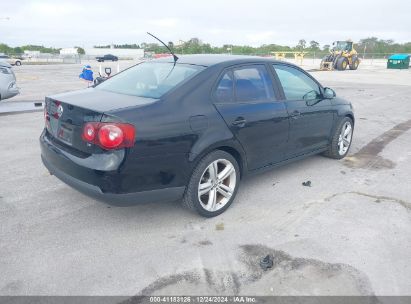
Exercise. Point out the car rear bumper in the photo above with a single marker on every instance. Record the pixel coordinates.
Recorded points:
(96, 183)
(167, 194)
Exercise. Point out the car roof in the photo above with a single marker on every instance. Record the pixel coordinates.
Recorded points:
(215, 59)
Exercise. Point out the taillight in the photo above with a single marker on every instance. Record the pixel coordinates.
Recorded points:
(109, 135)
(46, 116)
(89, 132)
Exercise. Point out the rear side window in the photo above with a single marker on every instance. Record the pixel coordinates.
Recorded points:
(225, 88)
(296, 84)
(253, 83)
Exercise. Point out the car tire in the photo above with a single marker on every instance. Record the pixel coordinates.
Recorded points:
(210, 201)
(18, 63)
(341, 138)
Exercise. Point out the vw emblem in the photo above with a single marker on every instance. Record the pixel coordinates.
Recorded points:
(59, 111)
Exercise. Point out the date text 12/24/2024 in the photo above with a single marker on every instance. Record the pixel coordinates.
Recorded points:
(202, 299)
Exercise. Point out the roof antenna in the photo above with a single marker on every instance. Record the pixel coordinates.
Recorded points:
(172, 53)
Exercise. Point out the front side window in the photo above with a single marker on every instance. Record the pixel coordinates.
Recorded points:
(149, 79)
(296, 84)
(253, 83)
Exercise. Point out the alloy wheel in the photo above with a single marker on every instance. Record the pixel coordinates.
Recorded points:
(217, 185)
(344, 140)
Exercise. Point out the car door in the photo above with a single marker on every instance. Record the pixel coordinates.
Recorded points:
(311, 115)
(246, 99)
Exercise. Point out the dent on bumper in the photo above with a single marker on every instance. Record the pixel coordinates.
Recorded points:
(103, 162)
(166, 194)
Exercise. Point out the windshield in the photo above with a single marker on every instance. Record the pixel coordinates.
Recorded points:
(149, 79)
(343, 46)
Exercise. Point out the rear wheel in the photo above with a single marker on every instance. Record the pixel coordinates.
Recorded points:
(213, 184)
(342, 63)
(354, 63)
(18, 63)
(341, 140)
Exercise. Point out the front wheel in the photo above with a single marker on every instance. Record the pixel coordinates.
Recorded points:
(213, 184)
(18, 63)
(341, 140)
(342, 63)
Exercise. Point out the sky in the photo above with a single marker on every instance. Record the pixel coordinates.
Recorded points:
(87, 23)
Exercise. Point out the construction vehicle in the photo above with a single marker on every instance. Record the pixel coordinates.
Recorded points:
(341, 55)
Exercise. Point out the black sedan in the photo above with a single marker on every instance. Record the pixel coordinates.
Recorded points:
(190, 130)
(107, 57)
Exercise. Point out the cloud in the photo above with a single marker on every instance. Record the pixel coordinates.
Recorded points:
(53, 9)
(255, 38)
(164, 22)
(67, 23)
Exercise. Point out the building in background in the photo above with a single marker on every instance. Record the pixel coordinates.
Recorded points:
(30, 54)
(69, 51)
(120, 53)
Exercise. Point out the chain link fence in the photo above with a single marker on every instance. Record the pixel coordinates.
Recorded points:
(43, 58)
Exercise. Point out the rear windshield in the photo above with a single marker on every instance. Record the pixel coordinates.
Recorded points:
(149, 79)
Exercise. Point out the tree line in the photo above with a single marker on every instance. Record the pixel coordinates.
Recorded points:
(196, 46)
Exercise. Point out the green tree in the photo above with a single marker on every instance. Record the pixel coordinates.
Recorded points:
(80, 50)
(314, 45)
(301, 44)
(18, 50)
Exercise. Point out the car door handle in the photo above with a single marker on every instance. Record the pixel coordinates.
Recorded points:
(295, 114)
(239, 122)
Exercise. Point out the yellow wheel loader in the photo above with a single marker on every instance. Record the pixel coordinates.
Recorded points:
(341, 55)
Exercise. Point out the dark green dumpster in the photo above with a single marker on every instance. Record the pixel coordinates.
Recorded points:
(398, 61)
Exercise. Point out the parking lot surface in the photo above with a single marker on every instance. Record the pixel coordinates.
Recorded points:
(347, 234)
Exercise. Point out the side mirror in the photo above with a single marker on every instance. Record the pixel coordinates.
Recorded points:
(311, 98)
(329, 93)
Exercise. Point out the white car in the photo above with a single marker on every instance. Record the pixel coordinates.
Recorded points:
(12, 61)
(8, 87)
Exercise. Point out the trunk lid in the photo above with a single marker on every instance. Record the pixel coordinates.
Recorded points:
(68, 112)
